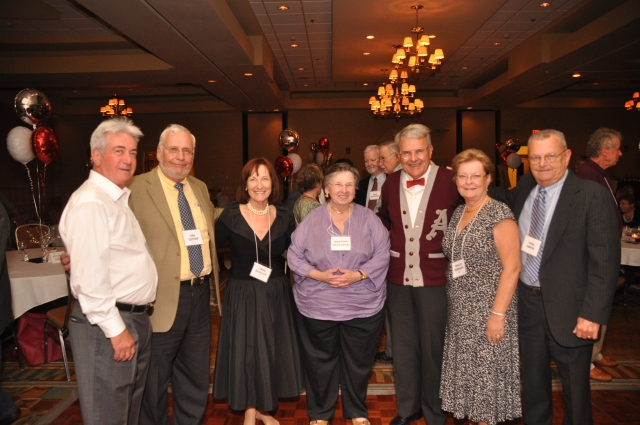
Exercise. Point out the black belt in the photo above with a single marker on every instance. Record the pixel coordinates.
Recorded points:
(534, 289)
(196, 281)
(132, 308)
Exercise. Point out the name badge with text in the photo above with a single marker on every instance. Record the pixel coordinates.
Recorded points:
(260, 272)
(192, 237)
(458, 268)
(374, 195)
(531, 246)
(340, 243)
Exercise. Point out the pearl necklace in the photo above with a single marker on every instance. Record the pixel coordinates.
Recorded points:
(338, 211)
(258, 212)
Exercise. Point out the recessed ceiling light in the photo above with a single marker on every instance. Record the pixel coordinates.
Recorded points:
(250, 110)
(283, 7)
(596, 83)
(276, 110)
(365, 84)
(370, 37)
(545, 4)
(469, 107)
(366, 53)
(211, 81)
(294, 45)
(576, 75)
(432, 36)
(248, 74)
(465, 67)
(300, 69)
(306, 85)
(497, 43)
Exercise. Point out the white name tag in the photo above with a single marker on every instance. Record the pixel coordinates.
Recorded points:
(192, 237)
(531, 246)
(54, 256)
(260, 272)
(458, 268)
(374, 195)
(340, 243)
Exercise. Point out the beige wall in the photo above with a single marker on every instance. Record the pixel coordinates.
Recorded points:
(219, 139)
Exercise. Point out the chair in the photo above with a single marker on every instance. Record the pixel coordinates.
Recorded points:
(12, 336)
(24, 233)
(58, 319)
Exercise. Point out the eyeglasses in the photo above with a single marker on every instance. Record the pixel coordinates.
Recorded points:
(408, 154)
(341, 186)
(474, 177)
(550, 158)
(175, 151)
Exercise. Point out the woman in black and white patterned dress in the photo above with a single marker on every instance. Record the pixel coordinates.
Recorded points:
(480, 376)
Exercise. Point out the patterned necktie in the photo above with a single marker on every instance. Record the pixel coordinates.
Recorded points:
(373, 202)
(196, 263)
(532, 265)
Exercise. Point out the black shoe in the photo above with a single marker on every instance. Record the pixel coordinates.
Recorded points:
(11, 418)
(383, 358)
(401, 420)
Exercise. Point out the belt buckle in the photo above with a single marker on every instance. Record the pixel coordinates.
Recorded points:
(199, 279)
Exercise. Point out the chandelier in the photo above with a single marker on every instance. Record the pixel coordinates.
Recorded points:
(396, 98)
(634, 103)
(417, 54)
(115, 108)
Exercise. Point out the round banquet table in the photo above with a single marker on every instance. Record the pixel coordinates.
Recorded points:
(630, 254)
(34, 284)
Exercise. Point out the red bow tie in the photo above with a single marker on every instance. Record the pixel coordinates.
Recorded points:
(419, 182)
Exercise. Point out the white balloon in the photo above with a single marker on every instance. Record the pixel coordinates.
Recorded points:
(514, 160)
(19, 144)
(297, 162)
(320, 158)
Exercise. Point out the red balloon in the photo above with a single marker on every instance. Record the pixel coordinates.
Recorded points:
(324, 144)
(45, 144)
(504, 155)
(284, 166)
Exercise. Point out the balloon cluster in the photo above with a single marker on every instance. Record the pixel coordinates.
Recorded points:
(290, 164)
(24, 145)
(508, 153)
(320, 153)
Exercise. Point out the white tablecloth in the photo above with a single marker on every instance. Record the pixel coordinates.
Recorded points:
(630, 254)
(34, 284)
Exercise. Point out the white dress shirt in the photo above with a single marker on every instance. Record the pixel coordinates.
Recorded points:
(109, 254)
(414, 193)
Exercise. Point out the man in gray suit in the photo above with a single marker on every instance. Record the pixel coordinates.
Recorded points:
(570, 255)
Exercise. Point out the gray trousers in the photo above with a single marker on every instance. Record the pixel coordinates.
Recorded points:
(110, 392)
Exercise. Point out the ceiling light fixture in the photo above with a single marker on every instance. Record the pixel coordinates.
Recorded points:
(497, 43)
(294, 45)
(396, 98)
(370, 37)
(248, 74)
(211, 81)
(300, 69)
(545, 4)
(283, 7)
(366, 53)
(419, 57)
(634, 103)
(576, 75)
(115, 108)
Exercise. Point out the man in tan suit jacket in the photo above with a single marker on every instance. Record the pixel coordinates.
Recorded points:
(181, 318)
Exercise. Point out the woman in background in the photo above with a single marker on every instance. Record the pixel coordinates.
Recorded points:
(310, 184)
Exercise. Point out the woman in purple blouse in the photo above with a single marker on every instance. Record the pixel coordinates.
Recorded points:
(340, 257)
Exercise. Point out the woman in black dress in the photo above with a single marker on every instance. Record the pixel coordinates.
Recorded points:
(258, 358)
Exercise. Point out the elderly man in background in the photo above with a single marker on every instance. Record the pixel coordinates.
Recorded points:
(176, 216)
(570, 255)
(114, 280)
(389, 159)
(417, 204)
(603, 151)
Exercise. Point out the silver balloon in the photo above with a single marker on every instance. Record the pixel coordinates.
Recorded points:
(513, 145)
(288, 139)
(32, 106)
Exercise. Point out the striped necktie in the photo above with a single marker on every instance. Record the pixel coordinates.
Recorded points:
(532, 265)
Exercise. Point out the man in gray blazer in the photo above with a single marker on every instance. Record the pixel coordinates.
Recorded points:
(570, 256)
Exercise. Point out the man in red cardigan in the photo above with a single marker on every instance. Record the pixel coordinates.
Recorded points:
(417, 204)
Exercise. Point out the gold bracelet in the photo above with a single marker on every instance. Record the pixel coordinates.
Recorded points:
(362, 276)
(496, 313)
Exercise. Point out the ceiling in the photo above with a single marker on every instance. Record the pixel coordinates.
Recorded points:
(167, 55)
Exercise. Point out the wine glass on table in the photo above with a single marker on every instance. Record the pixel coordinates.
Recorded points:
(22, 246)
